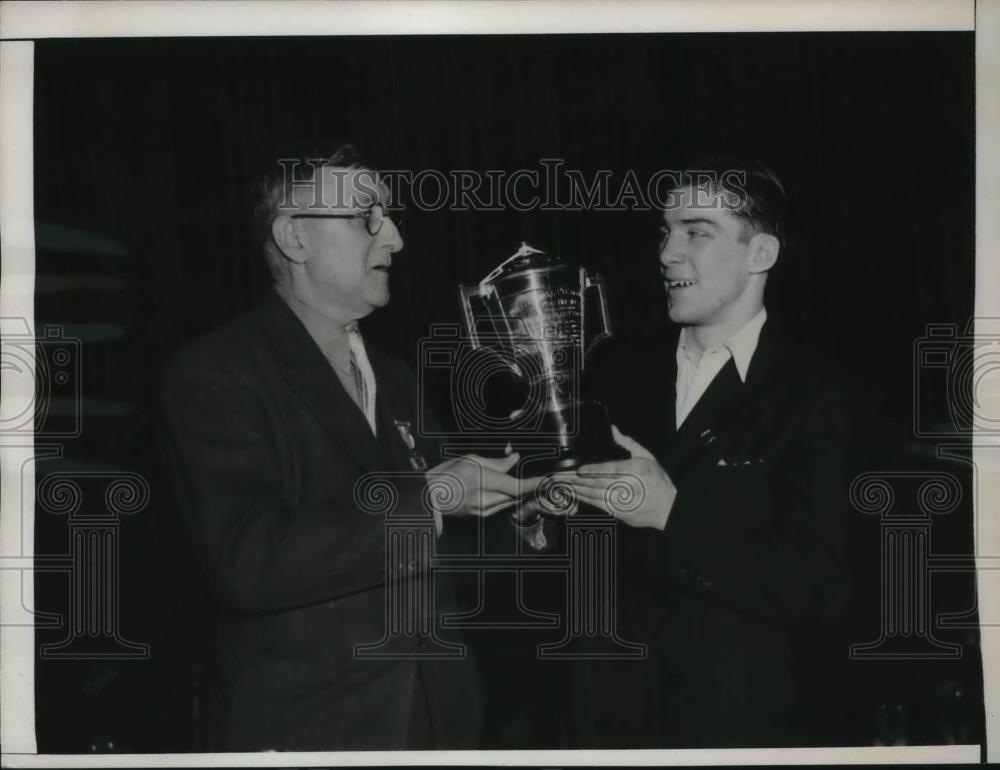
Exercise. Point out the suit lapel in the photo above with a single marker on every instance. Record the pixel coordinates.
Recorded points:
(727, 399)
(721, 392)
(730, 412)
(697, 433)
(308, 373)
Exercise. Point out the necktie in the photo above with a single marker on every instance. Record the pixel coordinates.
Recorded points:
(364, 377)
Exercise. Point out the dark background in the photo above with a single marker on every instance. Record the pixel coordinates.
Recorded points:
(143, 151)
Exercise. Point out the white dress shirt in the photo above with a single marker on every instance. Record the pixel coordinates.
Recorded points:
(695, 373)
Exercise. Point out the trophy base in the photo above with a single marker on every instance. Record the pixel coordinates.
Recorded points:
(581, 435)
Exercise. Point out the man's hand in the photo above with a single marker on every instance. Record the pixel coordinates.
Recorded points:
(636, 491)
(472, 485)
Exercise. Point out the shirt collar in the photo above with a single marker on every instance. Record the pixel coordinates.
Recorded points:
(741, 345)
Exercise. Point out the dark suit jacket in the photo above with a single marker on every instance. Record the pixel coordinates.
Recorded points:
(264, 447)
(753, 553)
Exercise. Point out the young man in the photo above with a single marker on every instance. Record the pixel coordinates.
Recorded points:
(740, 446)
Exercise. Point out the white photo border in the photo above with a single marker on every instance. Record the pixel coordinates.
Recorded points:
(21, 22)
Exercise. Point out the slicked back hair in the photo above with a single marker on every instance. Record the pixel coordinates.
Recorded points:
(749, 189)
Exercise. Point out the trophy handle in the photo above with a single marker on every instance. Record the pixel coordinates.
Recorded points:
(595, 308)
(466, 296)
(481, 303)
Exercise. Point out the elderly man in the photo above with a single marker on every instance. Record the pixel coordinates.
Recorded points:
(271, 422)
(740, 446)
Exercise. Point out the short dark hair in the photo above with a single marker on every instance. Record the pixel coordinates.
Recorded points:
(749, 189)
(273, 186)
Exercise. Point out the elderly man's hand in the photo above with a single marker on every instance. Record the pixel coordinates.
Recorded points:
(472, 485)
(636, 491)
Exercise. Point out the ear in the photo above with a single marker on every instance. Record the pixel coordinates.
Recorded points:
(286, 238)
(764, 250)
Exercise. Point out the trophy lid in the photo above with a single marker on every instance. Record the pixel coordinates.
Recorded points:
(525, 258)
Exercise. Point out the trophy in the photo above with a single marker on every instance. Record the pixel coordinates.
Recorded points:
(543, 316)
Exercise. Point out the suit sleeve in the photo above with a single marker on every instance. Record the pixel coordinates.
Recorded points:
(263, 547)
(769, 539)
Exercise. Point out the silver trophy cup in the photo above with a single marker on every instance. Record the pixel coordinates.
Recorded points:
(543, 316)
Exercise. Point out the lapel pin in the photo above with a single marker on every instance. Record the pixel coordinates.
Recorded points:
(417, 462)
(403, 426)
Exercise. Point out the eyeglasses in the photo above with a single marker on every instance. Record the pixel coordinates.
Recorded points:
(374, 218)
